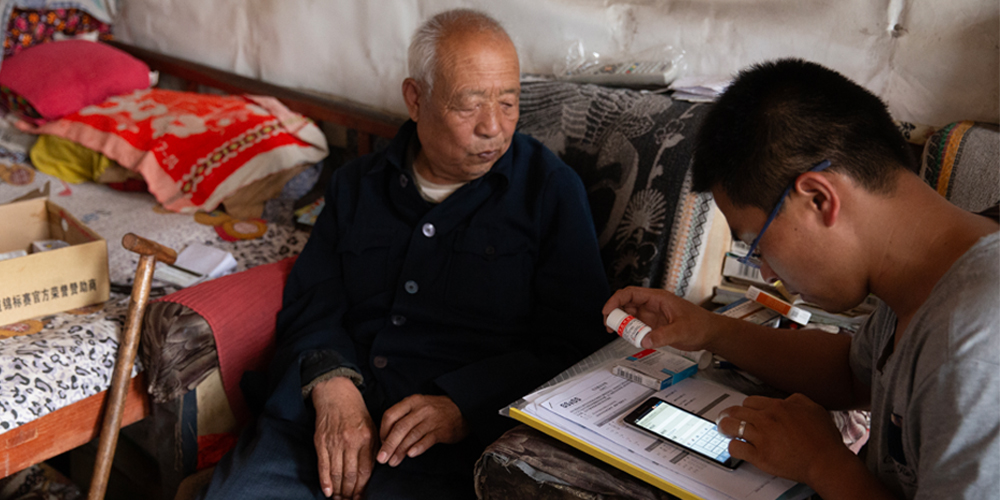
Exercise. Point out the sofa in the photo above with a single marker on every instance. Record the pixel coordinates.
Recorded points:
(633, 151)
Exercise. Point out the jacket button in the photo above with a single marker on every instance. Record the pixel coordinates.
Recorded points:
(411, 287)
(403, 180)
(490, 250)
(429, 230)
(398, 320)
(380, 361)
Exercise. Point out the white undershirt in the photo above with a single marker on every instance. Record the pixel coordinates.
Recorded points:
(435, 193)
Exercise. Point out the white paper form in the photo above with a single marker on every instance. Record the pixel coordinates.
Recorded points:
(592, 406)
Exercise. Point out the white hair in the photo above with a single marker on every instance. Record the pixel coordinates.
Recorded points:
(422, 54)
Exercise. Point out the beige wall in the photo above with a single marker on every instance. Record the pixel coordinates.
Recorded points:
(933, 61)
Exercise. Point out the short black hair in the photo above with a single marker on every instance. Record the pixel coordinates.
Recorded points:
(778, 119)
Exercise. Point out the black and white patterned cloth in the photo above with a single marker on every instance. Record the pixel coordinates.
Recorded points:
(71, 359)
(633, 151)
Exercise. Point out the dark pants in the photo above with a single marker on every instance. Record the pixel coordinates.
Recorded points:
(277, 460)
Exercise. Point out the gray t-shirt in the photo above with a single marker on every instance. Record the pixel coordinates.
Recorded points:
(935, 398)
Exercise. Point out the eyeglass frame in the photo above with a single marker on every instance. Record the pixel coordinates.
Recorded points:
(752, 260)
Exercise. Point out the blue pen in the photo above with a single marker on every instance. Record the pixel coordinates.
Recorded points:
(720, 364)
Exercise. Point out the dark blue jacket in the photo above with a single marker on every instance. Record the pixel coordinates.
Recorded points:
(481, 298)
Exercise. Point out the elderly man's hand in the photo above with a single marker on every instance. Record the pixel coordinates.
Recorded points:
(418, 422)
(344, 439)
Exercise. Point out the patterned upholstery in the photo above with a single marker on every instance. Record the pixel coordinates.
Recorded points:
(962, 162)
(633, 151)
(514, 467)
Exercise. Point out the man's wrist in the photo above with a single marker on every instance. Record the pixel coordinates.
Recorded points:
(342, 372)
(842, 474)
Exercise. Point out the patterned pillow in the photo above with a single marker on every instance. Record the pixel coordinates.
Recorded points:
(194, 150)
(633, 151)
(962, 162)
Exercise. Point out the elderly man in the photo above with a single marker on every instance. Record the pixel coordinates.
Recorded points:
(448, 275)
(811, 172)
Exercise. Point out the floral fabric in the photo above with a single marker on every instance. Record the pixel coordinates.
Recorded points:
(27, 27)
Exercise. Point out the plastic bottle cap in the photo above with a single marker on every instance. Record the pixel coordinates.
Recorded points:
(615, 318)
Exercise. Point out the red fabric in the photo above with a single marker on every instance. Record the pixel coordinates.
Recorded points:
(60, 78)
(211, 448)
(138, 185)
(193, 150)
(241, 309)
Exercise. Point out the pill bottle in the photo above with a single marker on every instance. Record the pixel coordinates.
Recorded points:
(628, 327)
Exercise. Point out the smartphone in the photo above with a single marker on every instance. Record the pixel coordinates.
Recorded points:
(679, 427)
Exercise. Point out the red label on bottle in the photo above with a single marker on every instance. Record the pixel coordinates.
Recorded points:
(624, 323)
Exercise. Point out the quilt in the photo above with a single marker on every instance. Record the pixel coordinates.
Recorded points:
(194, 150)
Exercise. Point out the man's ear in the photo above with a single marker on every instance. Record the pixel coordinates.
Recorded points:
(413, 95)
(822, 195)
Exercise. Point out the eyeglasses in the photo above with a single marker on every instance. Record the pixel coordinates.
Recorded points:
(752, 258)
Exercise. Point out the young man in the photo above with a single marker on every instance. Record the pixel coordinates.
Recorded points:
(810, 171)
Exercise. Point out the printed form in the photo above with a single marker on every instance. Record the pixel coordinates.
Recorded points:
(592, 406)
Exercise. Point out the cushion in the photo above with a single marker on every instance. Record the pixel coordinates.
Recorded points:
(194, 150)
(177, 350)
(59, 78)
(633, 151)
(524, 463)
(226, 322)
(962, 162)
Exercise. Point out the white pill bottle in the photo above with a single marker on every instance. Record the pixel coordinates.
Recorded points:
(628, 327)
(633, 330)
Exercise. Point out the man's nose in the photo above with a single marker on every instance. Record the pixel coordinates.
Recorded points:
(488, 124)
(766, 272)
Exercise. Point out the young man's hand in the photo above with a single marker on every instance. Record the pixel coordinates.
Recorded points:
(795, 438)
(344, 439)
(675, 321)
(416, 423)
(785, 437)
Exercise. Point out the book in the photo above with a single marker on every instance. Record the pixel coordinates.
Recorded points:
(733, 268)
(195, 264)
(729, 291)
(748, 310)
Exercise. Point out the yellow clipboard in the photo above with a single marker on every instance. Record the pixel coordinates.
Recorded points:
(600, 454)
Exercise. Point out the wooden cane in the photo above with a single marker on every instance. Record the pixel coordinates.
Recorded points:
(149, 252)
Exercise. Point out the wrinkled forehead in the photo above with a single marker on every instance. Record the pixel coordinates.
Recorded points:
(477, 54)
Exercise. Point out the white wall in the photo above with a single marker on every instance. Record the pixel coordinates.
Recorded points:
(934, 61)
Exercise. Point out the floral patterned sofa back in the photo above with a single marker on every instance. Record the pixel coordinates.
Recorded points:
(633, 151)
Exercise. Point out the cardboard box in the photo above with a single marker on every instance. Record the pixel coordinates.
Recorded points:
(655, 368)
(55, 280)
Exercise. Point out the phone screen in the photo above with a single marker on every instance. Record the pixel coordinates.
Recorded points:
(685, 429)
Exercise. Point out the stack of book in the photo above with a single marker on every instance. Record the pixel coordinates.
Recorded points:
(737, 278)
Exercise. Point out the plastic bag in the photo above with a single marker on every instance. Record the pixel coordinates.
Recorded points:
(654, 66)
